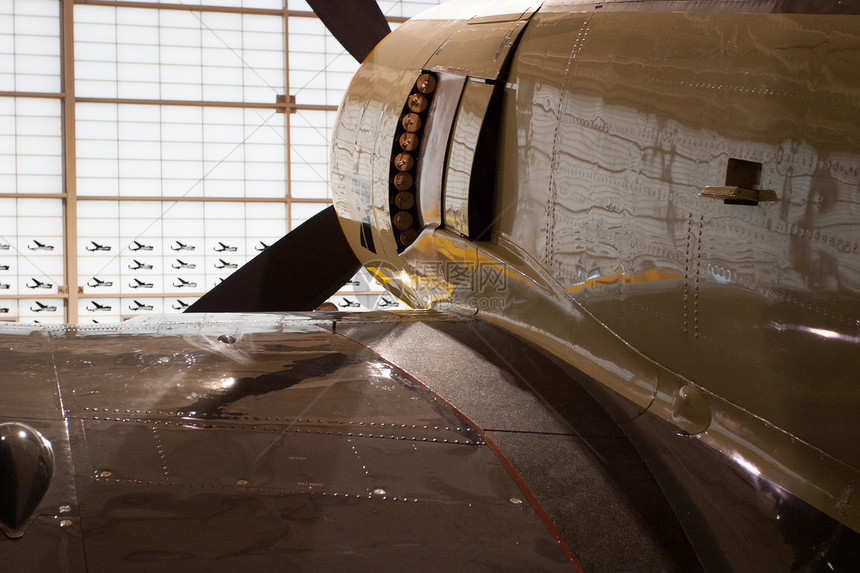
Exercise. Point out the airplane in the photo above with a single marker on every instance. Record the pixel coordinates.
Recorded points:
(183, 265)
(4, 267)
(184, 283)
(4, 286)
(221, 247)
(261, 247)
(180, 305)
(40, 307)
(139, 284)
(98, 307)
(348, 303)
(4, 246)
(4, 310)
(95, 282)
(140, 266)
(633, 344)
(38, 284)
(182, 247)
(97, 247)
(225, 265)
(139, 306)
(353, 283)
(385, 302)
(40, 246)
(138, 246)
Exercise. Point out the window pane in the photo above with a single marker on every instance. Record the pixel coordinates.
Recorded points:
(140, 53)
(141, 249)
(31, 153)
(310, 133)
(146, 150)
(320, 69)
(31, 259)
(30, 45)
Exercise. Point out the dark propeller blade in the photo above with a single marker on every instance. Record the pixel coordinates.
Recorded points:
(298, 272)
(357, 24)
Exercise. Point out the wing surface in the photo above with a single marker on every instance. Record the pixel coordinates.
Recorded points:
(265, 442)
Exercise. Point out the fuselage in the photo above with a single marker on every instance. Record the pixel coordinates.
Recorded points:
(559, 187)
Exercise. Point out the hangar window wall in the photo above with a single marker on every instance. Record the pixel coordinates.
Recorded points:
(147, 151)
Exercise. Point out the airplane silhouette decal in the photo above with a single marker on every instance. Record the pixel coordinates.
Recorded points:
(385, 303)
(261, 247)
(4, 310)
(182, 247)
(98, 307)
(225, 265)
(95, 282)
(181, 305)
(97, 247)
(4, 267)
(222, 247)
(139, 306)
(38, 284)
(140, 266)
(40, 246)
(139, 284)
(138, 246)
(184, 283)
(183, 265)
(4, 286)
(348, 303)
(43, 307)
(4, 247)
(353, 283)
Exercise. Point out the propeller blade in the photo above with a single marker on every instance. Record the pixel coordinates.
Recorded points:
(357, 24)
(300, 271)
